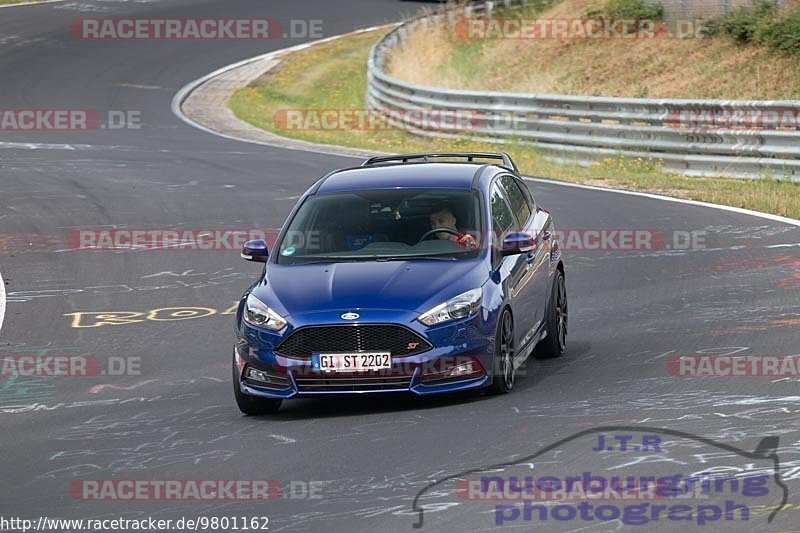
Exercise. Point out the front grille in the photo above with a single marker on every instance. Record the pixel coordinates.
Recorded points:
(397, 340)
(353, 383)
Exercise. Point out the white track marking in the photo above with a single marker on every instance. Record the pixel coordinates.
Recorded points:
(43, 146)
(2, 300)
(31, 3)
(282, 438)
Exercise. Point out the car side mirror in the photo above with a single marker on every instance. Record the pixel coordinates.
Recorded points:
(255, 250)
(517, 243)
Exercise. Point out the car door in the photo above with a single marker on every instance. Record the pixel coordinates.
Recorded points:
(512, 268)
(541, 224)
(530, 284)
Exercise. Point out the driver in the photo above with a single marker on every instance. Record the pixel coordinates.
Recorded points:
(443, 218)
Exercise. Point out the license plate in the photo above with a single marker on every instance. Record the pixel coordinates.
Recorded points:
(354, 362)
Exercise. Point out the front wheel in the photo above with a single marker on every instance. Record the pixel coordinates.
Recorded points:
(504, 371)
(253, 405)
(555, 344)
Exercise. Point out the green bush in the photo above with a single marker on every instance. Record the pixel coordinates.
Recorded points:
(634, 9)
(763, 25)
(782, 33)
(742, 24)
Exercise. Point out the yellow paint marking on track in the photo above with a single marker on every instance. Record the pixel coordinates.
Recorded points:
(97, 319)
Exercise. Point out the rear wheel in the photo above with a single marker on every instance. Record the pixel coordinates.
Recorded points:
(555, 344)
(504, 371)
(253, 405)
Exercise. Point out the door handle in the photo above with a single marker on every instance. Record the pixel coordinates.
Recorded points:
(530, 258)
(546, 236)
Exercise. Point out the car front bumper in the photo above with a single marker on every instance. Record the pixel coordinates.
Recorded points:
(460, 358)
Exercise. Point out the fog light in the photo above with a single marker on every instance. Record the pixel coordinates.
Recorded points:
(257, 375)
(448, 369)
(462, 369)
(263, 379)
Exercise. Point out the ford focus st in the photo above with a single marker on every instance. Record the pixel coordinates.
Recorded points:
(420, 273)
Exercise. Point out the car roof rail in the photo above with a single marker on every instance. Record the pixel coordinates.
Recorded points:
(507, 162)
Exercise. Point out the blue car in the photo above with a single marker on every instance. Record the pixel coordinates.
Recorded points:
(421, 273)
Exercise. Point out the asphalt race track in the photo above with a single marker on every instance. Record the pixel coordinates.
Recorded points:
(737, 290)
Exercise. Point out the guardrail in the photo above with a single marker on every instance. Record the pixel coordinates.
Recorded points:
(683, 134)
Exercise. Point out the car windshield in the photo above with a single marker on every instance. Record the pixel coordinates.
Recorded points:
(383, 225)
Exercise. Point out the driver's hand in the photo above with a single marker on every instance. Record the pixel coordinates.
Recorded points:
(467, 241)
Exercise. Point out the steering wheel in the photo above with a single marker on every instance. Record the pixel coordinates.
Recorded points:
(438, 230)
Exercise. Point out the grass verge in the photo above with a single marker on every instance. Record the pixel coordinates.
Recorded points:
(332, 76)
(9, 2)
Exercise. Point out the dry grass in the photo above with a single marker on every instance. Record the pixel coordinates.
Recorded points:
(656, 68)
(333, 76)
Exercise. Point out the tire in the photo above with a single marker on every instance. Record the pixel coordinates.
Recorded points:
(503, 361)
(253, 405)
(555, 344)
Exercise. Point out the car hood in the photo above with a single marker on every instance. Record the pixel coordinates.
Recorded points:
(413, 285)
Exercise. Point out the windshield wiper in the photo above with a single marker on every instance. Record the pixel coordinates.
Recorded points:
(320, 261)
(410, 257)
(365, 258)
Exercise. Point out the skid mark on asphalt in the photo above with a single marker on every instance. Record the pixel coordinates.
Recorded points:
(36, 394)
(103, 386)
(797, 244)
(282, 438)
(151, 440)
(45, 146)
(170, 384)
(83, 8)
(214, 280)
(137, 86)
(44, 407)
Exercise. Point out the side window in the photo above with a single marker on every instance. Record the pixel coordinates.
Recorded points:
(502, 217)
(517, 198)
(527, 192)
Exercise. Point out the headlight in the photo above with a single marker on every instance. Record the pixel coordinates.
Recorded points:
(258, 314)
(461, 306)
